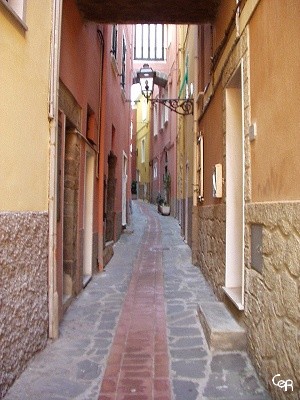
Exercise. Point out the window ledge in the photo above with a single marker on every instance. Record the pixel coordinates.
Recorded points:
(235, 295)
(14, 15)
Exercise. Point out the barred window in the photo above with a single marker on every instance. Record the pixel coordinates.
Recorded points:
(149, 42)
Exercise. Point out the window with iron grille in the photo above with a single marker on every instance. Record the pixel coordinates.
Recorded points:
(149, 42)
(114, 41)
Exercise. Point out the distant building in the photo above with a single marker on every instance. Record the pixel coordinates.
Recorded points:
(163, 123)
(143, 148)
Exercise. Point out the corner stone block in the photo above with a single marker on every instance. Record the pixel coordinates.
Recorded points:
(221, 330)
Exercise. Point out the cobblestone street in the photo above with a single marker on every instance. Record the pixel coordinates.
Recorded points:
(134, 332)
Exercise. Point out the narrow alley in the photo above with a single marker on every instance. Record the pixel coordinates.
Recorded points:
(134, 333)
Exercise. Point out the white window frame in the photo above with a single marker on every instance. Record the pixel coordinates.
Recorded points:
(164, 111)
(155, 170)
(200, 163)
(149, 42)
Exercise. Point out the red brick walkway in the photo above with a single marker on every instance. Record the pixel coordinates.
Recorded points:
(138, 364)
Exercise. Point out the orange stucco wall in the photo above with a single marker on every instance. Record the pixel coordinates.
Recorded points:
(275, 90)
(225, 13)
(211, 127)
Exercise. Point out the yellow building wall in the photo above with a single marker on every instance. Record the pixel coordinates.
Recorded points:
(24, 127)
(275, 91)
(190, 51)
(185, 139)
(143, 132)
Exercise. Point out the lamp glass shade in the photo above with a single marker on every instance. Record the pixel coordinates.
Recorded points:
(145, 76)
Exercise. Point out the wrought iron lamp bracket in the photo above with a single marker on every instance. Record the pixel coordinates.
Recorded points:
(180, 106)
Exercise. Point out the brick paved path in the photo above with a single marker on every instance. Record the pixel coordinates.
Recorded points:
(138, 363)
(134, 334)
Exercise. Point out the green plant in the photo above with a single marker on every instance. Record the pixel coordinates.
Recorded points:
(160, 200)
(167, 187)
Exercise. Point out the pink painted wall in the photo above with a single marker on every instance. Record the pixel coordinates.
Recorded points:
(80, 72)
(117, 112)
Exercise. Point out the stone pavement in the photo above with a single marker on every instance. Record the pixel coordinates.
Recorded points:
(133, 333)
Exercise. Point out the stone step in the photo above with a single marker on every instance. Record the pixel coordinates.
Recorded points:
(221, 330)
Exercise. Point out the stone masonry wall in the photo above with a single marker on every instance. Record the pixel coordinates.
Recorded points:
(209, 249)
(23, 291)
(272, 307)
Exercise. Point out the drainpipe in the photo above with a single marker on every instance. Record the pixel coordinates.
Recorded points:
(53, 124)
(196, 112)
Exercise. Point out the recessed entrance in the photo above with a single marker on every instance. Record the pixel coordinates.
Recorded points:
(88, 217)
(234, 276)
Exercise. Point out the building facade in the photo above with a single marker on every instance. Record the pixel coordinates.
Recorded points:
(24, 219)
(188, 65)
(115, 130)
(80, 94)
(142, 148)
(65, 191)
(162, 58)
(245, 212)
(93, 147)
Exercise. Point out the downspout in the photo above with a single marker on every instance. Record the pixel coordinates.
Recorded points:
(53, 124)
(196, 115)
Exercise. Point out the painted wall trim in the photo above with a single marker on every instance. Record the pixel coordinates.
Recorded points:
(53, 124)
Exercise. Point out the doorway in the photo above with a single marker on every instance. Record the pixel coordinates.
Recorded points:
(235, 220)
(124, 190)
(70, 212)
(110, 198)
(186, 207)
(88, 217)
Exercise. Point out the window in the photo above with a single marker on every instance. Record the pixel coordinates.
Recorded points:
(155, 119)
(149, 42)
(114, 41)
(123, 72)
(143, 151)
(17, 8)
(199, 163)
(164, 110)
(155, 170)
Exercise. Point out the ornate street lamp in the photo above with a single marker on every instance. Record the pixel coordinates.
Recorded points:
(147, 78)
